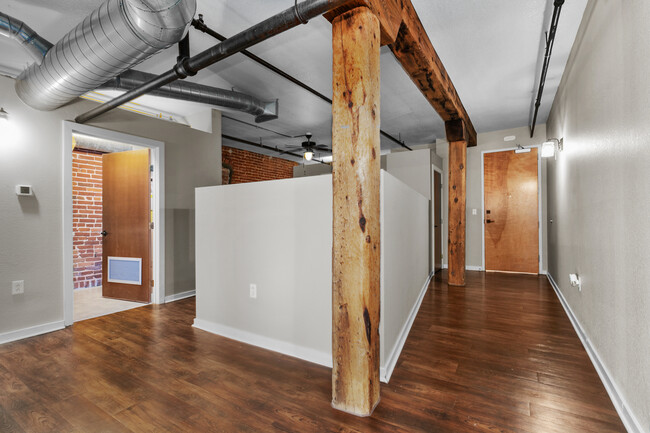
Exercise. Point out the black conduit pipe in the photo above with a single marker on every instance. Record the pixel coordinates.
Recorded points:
(262, 31)
(550, 40)
(201, 26)
(261, 146)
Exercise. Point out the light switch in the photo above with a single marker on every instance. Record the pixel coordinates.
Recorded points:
(474, 212)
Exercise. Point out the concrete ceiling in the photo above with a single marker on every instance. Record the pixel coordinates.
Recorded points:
(492, 50)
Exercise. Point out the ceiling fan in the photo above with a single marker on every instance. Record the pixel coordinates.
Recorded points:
(309, 147)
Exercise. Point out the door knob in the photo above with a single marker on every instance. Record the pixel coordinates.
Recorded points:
(488, 221)
(104, 233)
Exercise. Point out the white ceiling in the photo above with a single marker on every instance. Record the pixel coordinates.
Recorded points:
(492, 50)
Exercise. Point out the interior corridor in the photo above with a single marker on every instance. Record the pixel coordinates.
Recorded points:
(497, 355)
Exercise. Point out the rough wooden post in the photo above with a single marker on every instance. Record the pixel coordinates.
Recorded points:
(456, 241)
(356, 252)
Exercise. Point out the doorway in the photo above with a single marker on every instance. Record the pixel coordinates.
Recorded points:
(86, 289)
(511, 209)
(437, 219)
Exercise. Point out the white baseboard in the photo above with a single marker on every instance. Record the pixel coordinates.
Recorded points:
(31, 331)
(622, 407)
(300, 352)
(386, 372)
(467, 267)
(179, 296)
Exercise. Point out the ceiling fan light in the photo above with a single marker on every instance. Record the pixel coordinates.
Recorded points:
(308, 155)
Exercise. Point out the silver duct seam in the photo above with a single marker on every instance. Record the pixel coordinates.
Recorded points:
(112, 39)
(20, 32)
(186, 91)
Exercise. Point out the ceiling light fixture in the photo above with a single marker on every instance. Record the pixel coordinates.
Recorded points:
(521, 149)
(4, 116)
(550, 146)
(308, 155)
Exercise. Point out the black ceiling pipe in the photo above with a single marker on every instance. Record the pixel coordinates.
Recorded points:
(550, 40)
(266, 29)
(201, 26)
(261, 146)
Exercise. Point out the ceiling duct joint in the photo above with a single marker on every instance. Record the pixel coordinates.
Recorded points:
(271, 112)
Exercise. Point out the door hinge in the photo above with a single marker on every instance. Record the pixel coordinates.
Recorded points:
(151, 168)
(151, 283)
(151, 225)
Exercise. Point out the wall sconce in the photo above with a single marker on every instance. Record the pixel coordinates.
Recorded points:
(308, 155)
(552, 145)
(522, 149)
(4, 116)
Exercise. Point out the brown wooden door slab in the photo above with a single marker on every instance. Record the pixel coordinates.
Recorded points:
(511, 212)
(126, 218)
(437, 220)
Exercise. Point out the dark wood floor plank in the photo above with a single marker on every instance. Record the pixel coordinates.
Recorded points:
(498, 355)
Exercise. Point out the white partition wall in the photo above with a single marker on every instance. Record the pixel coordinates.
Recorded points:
(404, 265)
(277, 235)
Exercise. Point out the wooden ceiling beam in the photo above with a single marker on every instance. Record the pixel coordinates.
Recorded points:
(389, 13)
(403, 32)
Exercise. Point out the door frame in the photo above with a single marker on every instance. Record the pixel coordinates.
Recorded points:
(539, 202)
(158, 187)
(434, 197)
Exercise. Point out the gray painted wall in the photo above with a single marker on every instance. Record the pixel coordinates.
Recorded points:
(599, 192)
(31, 228)
(303, 170)
(278, 235)
(474, 223)
(412, 168)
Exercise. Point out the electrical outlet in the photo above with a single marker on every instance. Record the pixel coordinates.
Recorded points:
(575, 281)
(18, 287)
(253, 291)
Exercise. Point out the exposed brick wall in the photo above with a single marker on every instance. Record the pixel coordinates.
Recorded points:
(87, 218)
(253, 167)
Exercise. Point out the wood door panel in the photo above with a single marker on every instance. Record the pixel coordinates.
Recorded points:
(126, 217)
(511, 212)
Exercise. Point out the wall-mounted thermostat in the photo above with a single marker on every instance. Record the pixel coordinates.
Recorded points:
(24, 190)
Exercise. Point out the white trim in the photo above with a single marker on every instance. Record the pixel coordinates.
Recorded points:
(437, 195)
(300, 352)
(386, 372)
(158, 253)
(32, 331)
(467, 267)
(539, 203)
(631, 423)
(179, 296)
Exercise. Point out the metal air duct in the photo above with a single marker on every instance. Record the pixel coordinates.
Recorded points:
(114, 38)
(186, 91)
(20, 32)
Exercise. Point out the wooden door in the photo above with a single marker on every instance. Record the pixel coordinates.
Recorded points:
(511, 212)
(126, 261)
(437, 220)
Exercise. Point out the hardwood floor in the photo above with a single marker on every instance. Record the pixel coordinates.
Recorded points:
(498, 355)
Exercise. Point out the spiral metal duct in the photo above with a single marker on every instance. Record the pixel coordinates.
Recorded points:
(20, 32)
(193, 92)
(114, 38)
